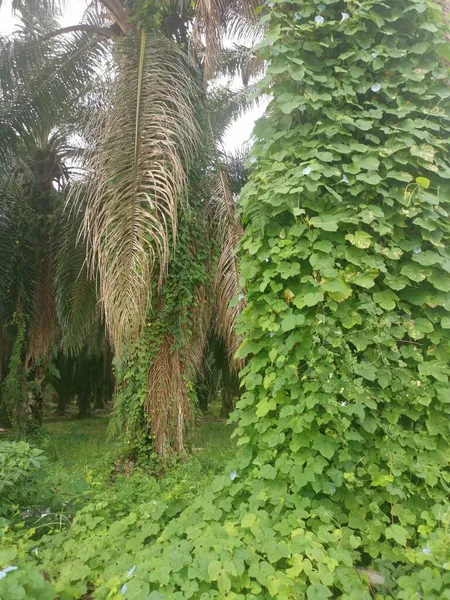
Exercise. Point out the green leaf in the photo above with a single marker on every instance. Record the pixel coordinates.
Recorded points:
(386, 299)
(371, 178)
(426, 258)
(398, 534)
(441, 281)
(366, 370)
(424, 325)
(414, 272)
(445, 322)
(360, 239)
(214, 570)
(365, 280)
(289, 102)
(224, 583)
(368, 162)
(310, 299)
(337, 288)
(325, 222)
(248, 520)
(399, 176)
(292, 321)
(318, 591)
(423, 182)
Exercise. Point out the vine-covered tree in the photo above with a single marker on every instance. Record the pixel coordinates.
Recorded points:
(151, 157)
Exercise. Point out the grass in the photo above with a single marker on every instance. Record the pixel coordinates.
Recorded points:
(81, 453)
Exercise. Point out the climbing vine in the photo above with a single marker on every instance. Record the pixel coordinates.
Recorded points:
(155, 381)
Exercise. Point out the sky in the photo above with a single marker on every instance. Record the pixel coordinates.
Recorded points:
(238, 134)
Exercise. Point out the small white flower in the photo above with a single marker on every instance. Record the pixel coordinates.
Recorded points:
(35, 550)
(124, 588)
(306, 171)
(253, 159)
(376, 87)
(270, 334)
(344, 179)
(131, 571)
(233, 474)
(427, 550)
(374, 54)
(319, 20)
(330, 375)
(270, 5)
(343, 403)
(419, 383)
(7, 570)
(341, 391)
(417, 250)
(345, 16)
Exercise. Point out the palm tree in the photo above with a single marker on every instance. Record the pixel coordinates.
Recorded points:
(147, 155)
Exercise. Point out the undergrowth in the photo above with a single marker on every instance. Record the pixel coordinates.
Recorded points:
(85, 528)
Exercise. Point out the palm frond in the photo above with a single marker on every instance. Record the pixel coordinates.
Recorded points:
(217, 20)
(226, 284)
(240, 60)
(137, 178)
(42, 82)
(226, 105)
(76, 292)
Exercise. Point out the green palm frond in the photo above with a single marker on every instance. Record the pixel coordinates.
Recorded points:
(137, 177)
(76, 292)
(240, 60)
(41, 83)
(225, 105)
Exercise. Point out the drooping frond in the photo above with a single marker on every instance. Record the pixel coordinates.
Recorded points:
(217, 20)
(76, 294)
(137, 177)
(226, 105)
(240, 60)
(226, 285)
(41, 82)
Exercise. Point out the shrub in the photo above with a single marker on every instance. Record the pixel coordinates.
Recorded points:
(22, 476)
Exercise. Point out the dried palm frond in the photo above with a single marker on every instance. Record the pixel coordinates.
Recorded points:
(228, 230)
(167, 400)
(216, 20)
(137, 177)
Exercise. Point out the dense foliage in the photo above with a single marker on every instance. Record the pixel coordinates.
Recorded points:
(22, 473)
(339, 488)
